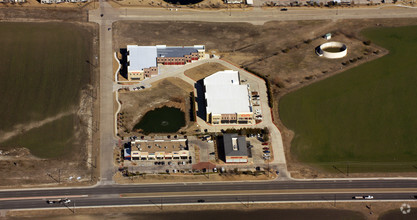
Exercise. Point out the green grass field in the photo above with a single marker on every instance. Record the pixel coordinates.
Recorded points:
(43, 66)
(365, 117)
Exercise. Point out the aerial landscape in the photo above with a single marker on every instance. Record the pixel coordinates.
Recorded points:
(201, 109)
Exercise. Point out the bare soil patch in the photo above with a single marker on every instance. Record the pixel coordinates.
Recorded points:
(171, 92)
(163, 178)
(205, 4)
(204, 70)
(43, 14)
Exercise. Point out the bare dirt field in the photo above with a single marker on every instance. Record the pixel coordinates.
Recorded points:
(158, 178)
(204, 70)
(41, 14)
(38, 5)
(283, 51)
(171, 92)
(304, 209)
(205, 4)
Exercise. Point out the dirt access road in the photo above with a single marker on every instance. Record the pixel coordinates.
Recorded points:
(255, 16)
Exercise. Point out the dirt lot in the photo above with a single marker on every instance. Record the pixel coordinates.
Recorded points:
(172, 92)
(206, 4)
(281, 50)
(188, 178)
(204, 70)
(40, 14)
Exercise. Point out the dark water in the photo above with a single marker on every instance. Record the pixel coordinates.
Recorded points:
(162, 120)
(243, 214)
(183, 2)
(333, 49)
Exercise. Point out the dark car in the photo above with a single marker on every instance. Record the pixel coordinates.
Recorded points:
(267, 151)
(212, 153)
(284, 9)
(201, 200)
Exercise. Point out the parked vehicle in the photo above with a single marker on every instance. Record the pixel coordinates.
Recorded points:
(265, 148)
(265, 143)
(363, 197)
(267, 151)
(284, 9)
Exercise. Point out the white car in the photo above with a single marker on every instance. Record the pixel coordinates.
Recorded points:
(368, 197)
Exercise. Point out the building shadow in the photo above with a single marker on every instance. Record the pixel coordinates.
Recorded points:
(123, 62)
(200, 99)
(220, 148)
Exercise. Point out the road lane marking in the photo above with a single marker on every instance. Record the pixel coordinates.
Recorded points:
(268, 192)
(43, 197)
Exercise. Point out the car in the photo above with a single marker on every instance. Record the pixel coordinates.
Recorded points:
(101, 15)
(167, 171)
(267, 151)
(265, 148)
(265, 143)
(284, 9)
(156, 163)
(201, 200)
(266, 155)
(415, 196)
(50, 201)
(215, 170)
(65, 201)
(169, 163)
(142, 87)
(368, 197)
(212, 153)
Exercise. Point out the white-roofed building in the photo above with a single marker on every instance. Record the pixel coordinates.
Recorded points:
(142, 61)
(227, 102)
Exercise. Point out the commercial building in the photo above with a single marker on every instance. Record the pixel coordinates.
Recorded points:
(176, 149)
(142, 61)
(227, 101)
(235, 148)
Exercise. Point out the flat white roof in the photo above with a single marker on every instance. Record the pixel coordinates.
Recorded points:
(225, 95)
(141, 57)
(249, 2)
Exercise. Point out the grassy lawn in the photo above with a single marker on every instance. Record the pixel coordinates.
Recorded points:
(366, 116)
(43, 66)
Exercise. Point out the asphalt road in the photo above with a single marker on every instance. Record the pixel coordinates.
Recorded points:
(315, 185)
(245, 200)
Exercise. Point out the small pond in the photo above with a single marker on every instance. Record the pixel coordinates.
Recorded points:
(162, 120)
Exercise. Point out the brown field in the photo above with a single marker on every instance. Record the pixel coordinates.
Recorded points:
(283, 51)
(304, 210)
(204, 70)
(172, 92)
(39, 14)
